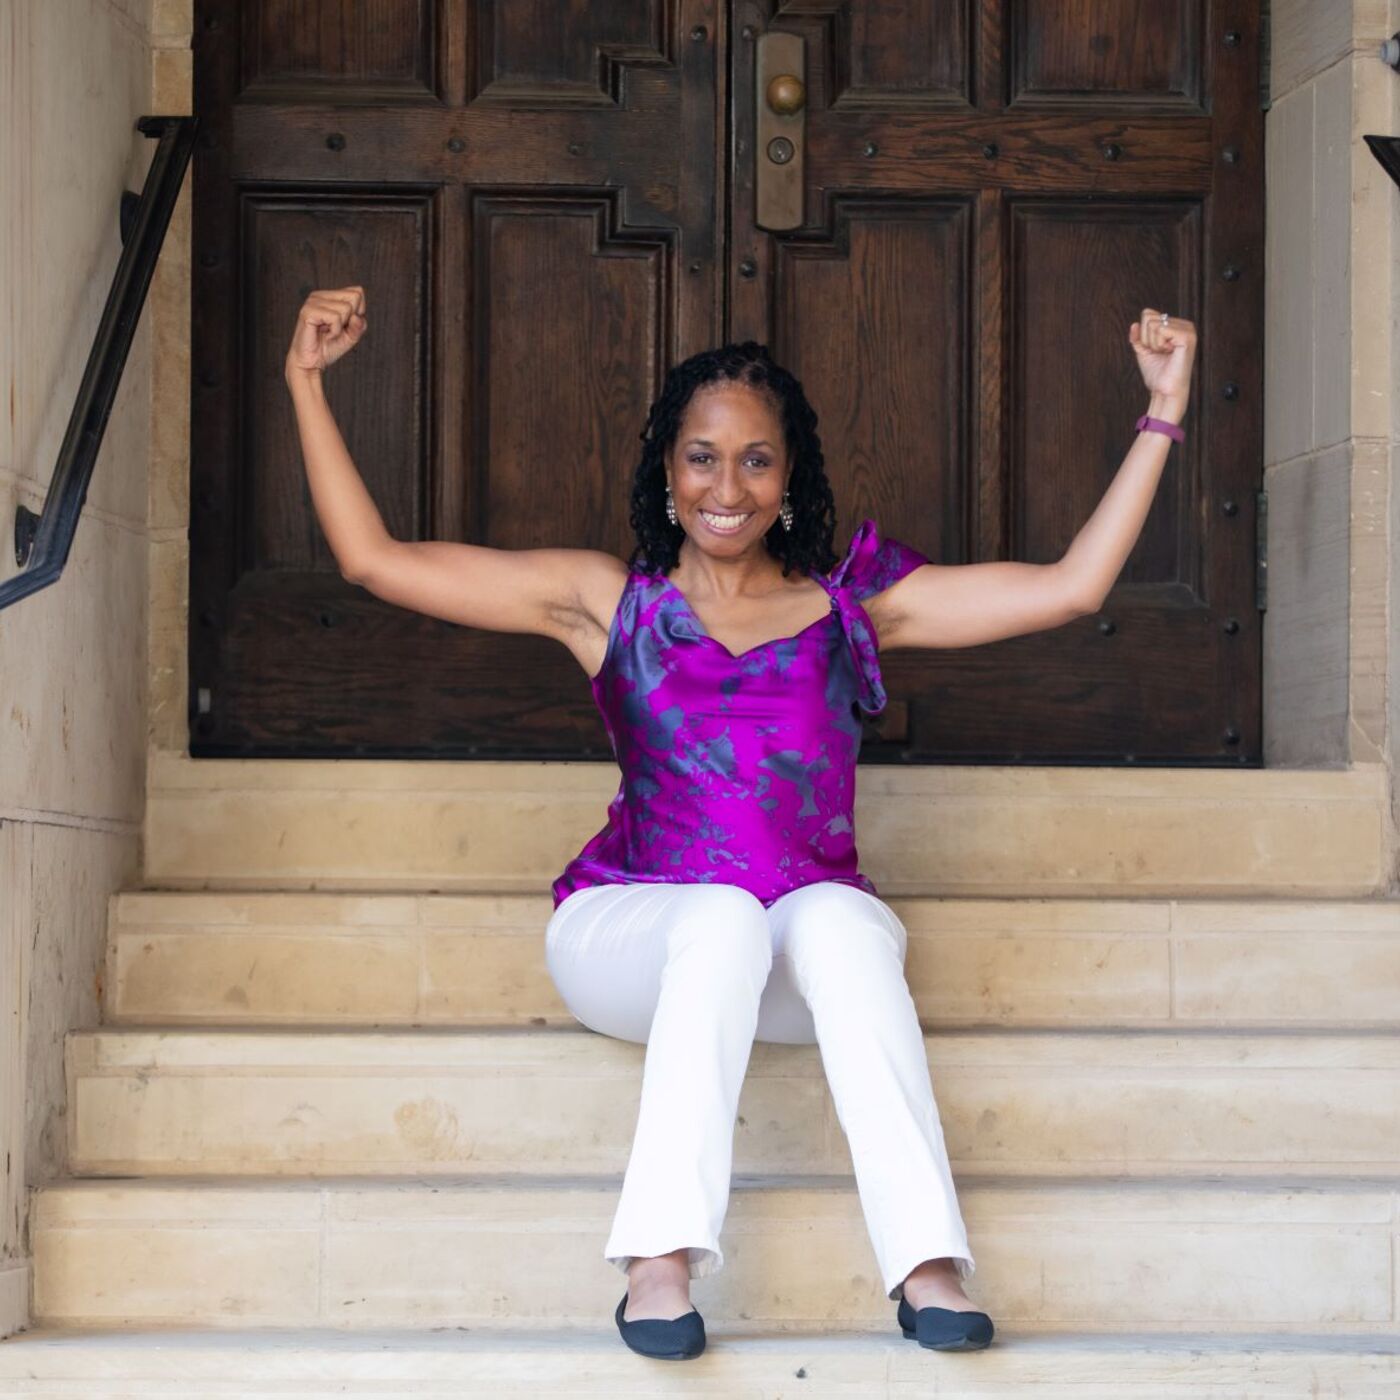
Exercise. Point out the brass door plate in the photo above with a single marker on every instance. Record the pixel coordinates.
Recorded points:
(780, 100)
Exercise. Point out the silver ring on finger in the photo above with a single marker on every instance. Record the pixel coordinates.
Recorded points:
(1164, 318)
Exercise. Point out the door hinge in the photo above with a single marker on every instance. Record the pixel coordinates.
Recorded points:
(1261, 550)
(1266, 56)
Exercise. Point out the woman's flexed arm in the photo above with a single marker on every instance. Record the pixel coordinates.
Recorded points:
(1098, 552)
(957, 605)
(329, 324)
(544, 591)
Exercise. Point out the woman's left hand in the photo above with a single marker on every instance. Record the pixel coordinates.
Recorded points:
(1164, 353)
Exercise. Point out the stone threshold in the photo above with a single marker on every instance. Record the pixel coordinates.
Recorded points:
(749, 1359)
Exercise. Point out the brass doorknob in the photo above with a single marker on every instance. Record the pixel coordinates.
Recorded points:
(786, 94)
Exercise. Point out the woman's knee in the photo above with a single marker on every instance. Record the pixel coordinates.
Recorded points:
(721, 929)
(831, 922)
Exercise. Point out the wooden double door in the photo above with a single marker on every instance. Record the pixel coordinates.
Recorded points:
(942, 217)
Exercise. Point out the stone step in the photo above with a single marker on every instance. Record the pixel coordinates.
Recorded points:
(1266, 1254)
(443, 1102)
(951, 830)
(222, 957)
(739, 1360)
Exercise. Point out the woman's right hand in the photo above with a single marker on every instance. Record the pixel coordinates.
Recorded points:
(328, 324)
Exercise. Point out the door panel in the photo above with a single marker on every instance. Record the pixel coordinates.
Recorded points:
(283, 238)
(1073, 50)
(550, 204)
(1076, 264)
(891, 274)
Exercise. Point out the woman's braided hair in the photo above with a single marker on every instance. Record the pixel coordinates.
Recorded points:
(808, 545)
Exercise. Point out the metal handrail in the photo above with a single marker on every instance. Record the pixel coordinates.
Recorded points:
(43, 540)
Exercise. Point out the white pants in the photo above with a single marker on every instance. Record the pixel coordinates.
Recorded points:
(697, 972)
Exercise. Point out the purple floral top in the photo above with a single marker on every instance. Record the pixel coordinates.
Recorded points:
(738, 770)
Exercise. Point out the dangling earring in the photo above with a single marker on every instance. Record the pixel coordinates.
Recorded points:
(785, 512)
(671, 508)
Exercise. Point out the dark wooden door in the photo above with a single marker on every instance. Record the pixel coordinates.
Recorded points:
(992, 193)
(536, 199)
(530, 194)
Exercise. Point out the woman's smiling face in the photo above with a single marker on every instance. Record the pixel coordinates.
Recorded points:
(729, 459)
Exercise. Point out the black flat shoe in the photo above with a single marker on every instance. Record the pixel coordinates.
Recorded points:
(945, 1329)
(668, 1339)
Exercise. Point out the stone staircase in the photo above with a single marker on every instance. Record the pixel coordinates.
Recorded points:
(338, 1136)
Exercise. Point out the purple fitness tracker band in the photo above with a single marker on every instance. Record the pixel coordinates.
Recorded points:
(1160, 425)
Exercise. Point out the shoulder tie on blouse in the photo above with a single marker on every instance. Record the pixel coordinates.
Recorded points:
(855, 577)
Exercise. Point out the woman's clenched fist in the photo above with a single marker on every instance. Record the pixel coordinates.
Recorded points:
(1165, 354)
(329, 323)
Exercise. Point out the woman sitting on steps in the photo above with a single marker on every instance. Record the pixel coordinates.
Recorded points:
(722, 901)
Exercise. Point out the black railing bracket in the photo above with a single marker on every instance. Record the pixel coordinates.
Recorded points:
(26, 527)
